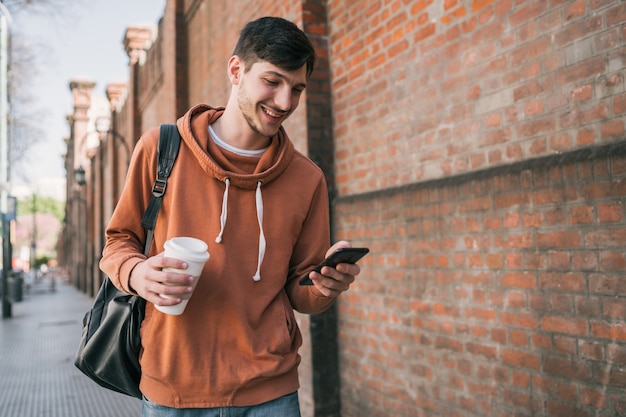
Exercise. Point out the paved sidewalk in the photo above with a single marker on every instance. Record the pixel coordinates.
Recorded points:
(37, 373)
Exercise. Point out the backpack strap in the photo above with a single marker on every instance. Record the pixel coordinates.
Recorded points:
(169, 143)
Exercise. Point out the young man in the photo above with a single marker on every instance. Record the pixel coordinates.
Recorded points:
(262, 207)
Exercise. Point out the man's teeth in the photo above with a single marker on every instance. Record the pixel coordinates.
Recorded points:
(271, 113)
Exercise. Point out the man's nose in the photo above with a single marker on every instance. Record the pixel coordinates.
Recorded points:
(283, 99)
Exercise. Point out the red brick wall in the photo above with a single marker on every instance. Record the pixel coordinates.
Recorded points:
(490, 295)
(494, 283)
(426, 89)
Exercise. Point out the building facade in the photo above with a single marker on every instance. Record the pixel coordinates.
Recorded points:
(476, 146)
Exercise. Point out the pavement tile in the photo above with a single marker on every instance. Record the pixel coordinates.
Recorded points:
(37, 346)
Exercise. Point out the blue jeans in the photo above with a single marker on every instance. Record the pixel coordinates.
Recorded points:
(286, 406)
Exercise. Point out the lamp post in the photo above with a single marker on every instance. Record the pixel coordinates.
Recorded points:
(5, 26)
(103, 125)
(80, 178)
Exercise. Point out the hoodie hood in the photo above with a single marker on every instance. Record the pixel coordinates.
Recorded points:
(193, 127)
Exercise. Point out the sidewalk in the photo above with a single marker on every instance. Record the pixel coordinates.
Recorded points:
(37, 373)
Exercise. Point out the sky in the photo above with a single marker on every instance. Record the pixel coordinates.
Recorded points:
(84, 41)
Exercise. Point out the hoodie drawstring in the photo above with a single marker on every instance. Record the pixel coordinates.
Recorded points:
(224, 214)
(259, 214)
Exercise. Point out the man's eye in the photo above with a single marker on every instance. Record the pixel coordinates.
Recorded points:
(271, 82)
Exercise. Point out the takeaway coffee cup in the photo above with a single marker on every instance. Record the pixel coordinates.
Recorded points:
(194, 252)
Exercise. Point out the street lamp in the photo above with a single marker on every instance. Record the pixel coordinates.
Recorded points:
(103, 126)
(79, 176)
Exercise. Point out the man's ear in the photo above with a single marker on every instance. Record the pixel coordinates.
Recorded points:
(235, 69)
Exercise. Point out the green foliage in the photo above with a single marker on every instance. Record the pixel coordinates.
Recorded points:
(39, 204)
(42, 260)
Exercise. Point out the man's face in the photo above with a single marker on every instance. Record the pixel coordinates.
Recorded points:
(267, 95)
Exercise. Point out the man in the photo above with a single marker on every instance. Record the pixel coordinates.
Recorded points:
(262, 207)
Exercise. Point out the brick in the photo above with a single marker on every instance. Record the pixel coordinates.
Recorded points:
(557, 240)
(480, 314)
(613, 129)
(557, 260)
(519, 280)
(584, 261)
(520, 359)
(606, 330)
(558, 409)
(478, 5)
(593, 397)
(592, 350)
(516, 299)
(585, 137)
(610, 213)
(581, 215)
(518, 338)
(566, 391)
(587, 306)
(612, 307)
(607, 284)
(564, 325)
(612, 261)
(606, 238)
(568, 368)
(569, 281)
(489, 352)
(616, 353)
(519, 319)
(562, 304)
(565, 345)
(448, 344)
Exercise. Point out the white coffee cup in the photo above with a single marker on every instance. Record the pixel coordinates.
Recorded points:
(194, 252)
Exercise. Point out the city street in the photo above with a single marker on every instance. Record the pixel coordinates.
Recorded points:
(37, 373)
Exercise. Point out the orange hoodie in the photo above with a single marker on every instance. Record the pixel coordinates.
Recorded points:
(236, 343)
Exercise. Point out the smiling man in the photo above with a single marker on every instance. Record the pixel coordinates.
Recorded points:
(262, 207)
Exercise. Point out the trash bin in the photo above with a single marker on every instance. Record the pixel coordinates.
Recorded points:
(16, 286)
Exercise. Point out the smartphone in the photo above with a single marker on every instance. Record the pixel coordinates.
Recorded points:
(342, 256)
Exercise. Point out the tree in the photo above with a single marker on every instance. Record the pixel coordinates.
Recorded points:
(38, 204)
(51, 7)
(26, 118)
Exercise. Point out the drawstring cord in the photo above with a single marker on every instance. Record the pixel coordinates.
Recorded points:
(259, 214)
(224, 214)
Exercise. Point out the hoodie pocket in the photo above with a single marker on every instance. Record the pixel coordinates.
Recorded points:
(286, 323)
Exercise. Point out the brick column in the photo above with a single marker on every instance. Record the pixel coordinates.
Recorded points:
(322, 327)
(137, 41)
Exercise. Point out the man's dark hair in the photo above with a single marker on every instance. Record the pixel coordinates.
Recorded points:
(277, 41)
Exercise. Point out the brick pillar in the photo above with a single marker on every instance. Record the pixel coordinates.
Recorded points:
(182, 61)
(119, 147)
(137, 41)
(82, 92)
(323, 327)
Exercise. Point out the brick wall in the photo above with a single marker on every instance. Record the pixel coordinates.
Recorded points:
(496, 294)
(479, 153)
(426, 89)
